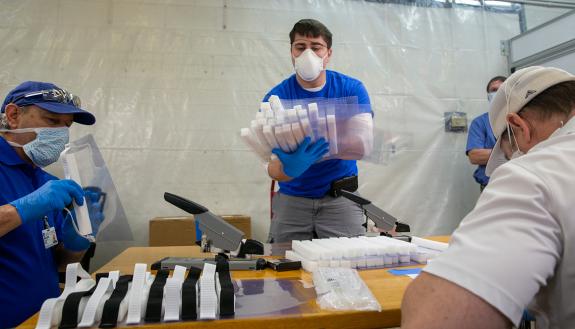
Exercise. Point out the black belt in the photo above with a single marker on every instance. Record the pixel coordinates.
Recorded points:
(156, 296)
(349, 184)
(112, 305)
(189, 296)
(72, 304)
(227, 298)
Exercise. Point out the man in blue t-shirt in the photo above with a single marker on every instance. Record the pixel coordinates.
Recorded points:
(303, 208)
(480, 139)
(34, 123)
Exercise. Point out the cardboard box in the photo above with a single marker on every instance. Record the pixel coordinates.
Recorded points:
(181, 231)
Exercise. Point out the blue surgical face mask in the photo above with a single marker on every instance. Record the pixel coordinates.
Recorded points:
(45, 149)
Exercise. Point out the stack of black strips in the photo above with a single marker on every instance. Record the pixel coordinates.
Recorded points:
(112, 305)
(227, 297)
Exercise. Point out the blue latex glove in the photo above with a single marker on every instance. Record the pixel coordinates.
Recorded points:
(53, 195)
(70, 237)
(296, 163)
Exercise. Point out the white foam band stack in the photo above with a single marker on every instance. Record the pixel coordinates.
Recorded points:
(208, 293)
(173, 294)
(93, 310)
(51, 310)
(132, 309)
(362, 252)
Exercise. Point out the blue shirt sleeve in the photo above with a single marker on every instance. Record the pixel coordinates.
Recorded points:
(477, 136)
(361, 92)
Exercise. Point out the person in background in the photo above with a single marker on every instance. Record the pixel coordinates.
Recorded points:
(36, 237)
(515, 250)
(480, 139)
(304, 207)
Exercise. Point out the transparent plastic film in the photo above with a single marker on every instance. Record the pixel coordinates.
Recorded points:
(346, 125)
(106, 213)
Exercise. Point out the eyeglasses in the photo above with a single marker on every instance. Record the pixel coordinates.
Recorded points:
(50, 95)
(300, 47)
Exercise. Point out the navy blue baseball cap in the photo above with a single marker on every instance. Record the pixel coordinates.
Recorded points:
(49, 97)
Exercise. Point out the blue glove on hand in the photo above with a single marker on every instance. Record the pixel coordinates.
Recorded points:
(95, 200)
(53, 195)
(296, 163)
(70, 237)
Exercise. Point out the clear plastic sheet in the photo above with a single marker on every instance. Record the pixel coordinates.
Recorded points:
(267, 297)
(106, 211)
(172, 82)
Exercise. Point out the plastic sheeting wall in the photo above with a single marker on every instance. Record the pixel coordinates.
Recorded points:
(171, 83)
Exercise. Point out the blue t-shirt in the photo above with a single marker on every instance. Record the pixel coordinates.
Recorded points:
(28, 271)
(480, 137)
(316, 181)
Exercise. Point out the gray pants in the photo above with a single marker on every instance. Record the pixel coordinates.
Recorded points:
(298, 218)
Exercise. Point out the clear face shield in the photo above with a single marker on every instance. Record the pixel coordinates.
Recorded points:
(103, 214)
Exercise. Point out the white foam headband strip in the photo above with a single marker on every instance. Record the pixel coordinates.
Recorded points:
(173, 294)
(137, 296)
(332, 133)
(208, 296)
(95, 304)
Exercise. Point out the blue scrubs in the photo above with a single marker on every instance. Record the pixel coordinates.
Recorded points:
(480, 137)
(28, 271)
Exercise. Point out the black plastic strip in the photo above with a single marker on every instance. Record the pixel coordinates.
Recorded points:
(112, 305)
(227, 299)
(156, 296)
(189, 298)
(72, 303)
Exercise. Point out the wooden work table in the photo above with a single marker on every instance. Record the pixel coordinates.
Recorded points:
(387, 288)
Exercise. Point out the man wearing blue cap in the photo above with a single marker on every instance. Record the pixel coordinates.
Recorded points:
(35, 237)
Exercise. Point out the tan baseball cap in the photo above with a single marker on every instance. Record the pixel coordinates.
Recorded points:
(516, 92)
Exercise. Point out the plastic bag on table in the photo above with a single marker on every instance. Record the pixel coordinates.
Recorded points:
(343, 289)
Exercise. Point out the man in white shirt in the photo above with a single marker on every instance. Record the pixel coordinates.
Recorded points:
(516, 249)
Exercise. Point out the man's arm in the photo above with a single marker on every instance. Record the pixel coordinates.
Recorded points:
(9, 219)
(476, 140)
(479, 156)
(432, 302)
(275, 171)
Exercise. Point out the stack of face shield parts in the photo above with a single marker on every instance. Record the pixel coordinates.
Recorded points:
(343, 289)
(362, 252)
(105, 209)
(345, 124)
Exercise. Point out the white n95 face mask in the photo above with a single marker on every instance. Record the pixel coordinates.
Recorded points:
(45, 149)
(308, 65)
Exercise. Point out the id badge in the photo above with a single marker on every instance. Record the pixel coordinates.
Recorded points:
(49, 235)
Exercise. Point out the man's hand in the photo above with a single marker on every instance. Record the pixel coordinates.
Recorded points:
(296, 163)
(53, 195)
